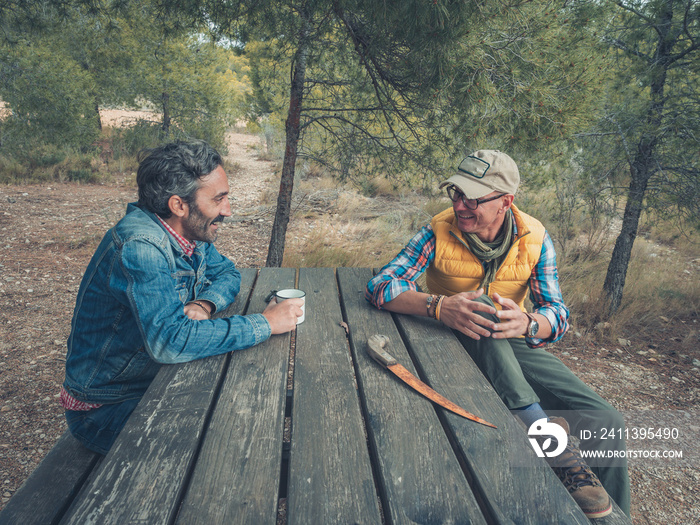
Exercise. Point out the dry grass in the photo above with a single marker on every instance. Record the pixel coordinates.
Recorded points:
(341, 226)
(336, 240)
(662, 282)
(661, 287)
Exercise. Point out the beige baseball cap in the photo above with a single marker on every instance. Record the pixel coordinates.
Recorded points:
(485, 171)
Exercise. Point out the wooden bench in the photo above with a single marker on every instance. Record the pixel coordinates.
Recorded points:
(47, 493)
(335, 438)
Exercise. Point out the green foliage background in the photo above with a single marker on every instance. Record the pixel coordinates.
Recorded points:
(80, 57)
(46, 94)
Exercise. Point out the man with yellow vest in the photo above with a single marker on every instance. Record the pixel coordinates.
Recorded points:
(481, 258)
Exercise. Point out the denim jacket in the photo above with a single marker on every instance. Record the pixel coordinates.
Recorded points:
(129, 315)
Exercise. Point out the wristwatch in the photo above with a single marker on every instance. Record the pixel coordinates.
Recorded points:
(532, 327)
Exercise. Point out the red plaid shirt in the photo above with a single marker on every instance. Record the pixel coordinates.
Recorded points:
(68, 401)
(187, 246)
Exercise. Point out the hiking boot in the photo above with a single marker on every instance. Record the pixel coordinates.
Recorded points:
(577, 477)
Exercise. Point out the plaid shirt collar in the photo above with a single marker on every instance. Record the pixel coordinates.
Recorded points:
(187, 246)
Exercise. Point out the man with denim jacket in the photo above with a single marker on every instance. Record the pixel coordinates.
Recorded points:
(148, 294)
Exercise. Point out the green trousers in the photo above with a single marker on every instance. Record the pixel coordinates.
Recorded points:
(521, 375)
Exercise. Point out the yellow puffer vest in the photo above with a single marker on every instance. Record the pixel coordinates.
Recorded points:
(455, 269)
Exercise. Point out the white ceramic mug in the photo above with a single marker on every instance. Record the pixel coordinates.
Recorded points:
(293, 293)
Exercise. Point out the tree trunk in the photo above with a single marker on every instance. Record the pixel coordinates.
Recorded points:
(642, 166)
(619, 262)
(99, 119)
(166, 113)
(275, 251)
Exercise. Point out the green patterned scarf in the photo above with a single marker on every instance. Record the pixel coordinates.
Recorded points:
(492, 254)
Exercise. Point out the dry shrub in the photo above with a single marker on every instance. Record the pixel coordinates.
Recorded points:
(354, 207)
(680, 237)
(341, 227)
(314, 171)
(232, 168)
(377, 187)
(337, 245)
(435, 205)
(660, 286)
(310, 184)
(11, 170)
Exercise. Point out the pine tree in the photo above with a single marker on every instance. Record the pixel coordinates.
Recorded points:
(651, 119)
(406, 87)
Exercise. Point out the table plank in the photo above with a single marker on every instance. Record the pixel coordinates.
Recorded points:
(142, 477)
(237, 476)
(420, 475)
(330, 478)
(514, 484)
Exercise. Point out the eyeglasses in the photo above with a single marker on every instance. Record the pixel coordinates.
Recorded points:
(472, 204)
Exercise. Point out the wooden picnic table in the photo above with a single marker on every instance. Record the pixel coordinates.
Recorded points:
(307, 429)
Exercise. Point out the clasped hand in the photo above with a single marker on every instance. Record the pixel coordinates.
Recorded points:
(463, 313)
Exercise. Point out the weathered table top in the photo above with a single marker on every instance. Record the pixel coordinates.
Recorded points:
(306, 428)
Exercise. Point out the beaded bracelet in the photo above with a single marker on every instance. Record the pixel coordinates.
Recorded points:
(429, 303)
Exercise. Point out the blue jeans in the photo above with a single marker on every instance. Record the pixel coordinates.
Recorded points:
(97, 429)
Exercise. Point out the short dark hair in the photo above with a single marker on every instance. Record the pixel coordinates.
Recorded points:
(173, 169)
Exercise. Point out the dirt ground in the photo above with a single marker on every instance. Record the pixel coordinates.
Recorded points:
(49, 232)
